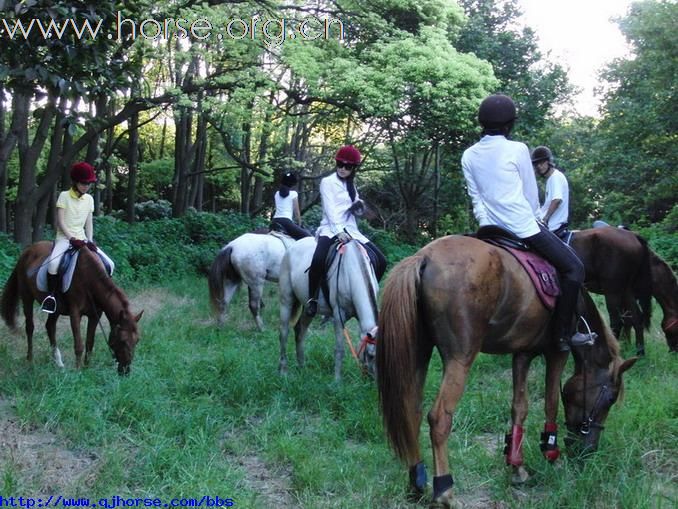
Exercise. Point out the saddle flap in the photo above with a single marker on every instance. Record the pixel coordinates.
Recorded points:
(67, 268)
(543, 275)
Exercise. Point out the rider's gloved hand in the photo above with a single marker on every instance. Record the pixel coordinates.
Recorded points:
(76, 243)
(343, 237)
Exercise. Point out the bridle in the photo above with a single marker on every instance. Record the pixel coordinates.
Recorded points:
(589, 421)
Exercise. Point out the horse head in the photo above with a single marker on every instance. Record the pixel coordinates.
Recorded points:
(363, 295)
(596, 385)
(123, 339)
(367, 353)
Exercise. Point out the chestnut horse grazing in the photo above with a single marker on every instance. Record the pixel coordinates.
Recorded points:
(464, 296)
(620, 265)
(92, 292)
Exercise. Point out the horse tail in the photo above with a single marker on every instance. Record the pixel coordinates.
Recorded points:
(10, 299)
(221, 269)
(642, 285)
(400, 385)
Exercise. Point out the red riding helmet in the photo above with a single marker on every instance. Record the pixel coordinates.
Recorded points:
(83, 172)
(348, 154)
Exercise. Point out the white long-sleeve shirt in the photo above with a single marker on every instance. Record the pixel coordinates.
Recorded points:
(502, 185)
(335, 203)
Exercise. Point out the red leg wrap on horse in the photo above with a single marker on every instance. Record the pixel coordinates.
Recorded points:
(549, 441)
(514, 446)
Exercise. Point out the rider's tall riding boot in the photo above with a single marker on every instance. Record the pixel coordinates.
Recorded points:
(565, 319)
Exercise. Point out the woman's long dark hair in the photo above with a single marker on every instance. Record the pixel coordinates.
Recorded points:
(283, 190)
(350, 185)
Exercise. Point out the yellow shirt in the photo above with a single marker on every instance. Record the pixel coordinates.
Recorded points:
(76, 210)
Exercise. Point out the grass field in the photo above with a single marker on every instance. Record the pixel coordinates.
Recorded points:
(205, 413)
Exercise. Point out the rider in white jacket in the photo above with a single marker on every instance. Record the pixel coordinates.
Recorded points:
(339, 199)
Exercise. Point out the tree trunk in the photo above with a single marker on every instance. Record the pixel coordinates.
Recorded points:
(8, 142)
(27, 194)
(197, 178)
(133, 161)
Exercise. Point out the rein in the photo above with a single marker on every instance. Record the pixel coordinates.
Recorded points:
(101, 327)
(670, 326)
(588, 421)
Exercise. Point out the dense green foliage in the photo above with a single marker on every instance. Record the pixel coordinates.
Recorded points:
(622, 165)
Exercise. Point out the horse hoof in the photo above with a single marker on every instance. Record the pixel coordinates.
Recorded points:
(520, 475)
(445, 501)
(640, 352)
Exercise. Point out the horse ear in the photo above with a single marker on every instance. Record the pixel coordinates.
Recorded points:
(138, 317)
(627, 364)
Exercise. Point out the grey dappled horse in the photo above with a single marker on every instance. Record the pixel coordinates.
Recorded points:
(252, 258)
(353, 289)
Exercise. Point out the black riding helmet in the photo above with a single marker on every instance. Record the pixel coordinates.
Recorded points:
(542, 153)
(496, 111)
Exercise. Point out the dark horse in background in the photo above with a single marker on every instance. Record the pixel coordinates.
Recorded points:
(463, 296)
(92, 292)
(620, 265)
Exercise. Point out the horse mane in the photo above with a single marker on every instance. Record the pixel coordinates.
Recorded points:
(90, 263)
(611, 353)
(642, 284)
(670, 277)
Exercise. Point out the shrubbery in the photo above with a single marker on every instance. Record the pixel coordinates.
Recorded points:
(151, 251)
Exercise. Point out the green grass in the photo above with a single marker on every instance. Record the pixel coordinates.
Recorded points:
(204, 412)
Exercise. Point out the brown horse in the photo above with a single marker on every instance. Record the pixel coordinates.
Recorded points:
(91, 292)
(620, 265)
(464, 296)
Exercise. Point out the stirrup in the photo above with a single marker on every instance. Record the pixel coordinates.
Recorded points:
(581, 339)
(587, 338)
(49, 305)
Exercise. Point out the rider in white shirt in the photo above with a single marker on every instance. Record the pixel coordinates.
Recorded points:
(340, 204)
(503, 189)
(287, 208)
(554, 212)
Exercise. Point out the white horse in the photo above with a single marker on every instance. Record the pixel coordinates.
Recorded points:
(253, 258)
(353, 289)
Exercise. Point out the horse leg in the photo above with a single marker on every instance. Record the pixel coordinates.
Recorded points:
(29, 326)
(637, 322)
(519, 407)
(555, 363)
(230, 288)
(615, 308)
(255, 292)
(440, 424)
(77, 337)
(50, 325)
(288, 311)
(338, 345)
(300, 330)
(92, 322)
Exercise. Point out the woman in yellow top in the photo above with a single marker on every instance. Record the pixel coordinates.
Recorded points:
(74, 227)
